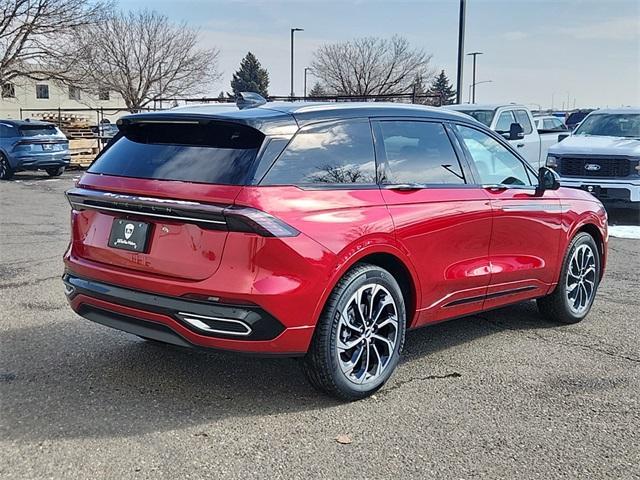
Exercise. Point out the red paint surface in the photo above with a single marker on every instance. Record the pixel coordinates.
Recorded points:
(456, 244)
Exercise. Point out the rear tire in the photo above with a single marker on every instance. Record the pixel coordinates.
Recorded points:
(54, 171)
(6, 172)
(359, 336)
(573, 297)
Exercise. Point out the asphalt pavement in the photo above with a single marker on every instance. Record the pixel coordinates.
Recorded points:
(504, 394)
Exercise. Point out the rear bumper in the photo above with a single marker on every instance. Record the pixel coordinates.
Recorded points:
(624, 191)
(40, 161)
(185, 322)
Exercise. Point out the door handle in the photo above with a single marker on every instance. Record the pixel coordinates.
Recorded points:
(520, 145)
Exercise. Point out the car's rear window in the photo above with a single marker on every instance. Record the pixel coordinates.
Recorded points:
(215, 152)
(37, 130)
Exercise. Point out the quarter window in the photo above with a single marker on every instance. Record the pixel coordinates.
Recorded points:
(418, 152)
(495, 164)
(522, 117)
(504, 122)
(333, 153)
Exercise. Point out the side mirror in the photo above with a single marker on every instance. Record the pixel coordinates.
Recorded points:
(562, 136)
(516, 132)
(547, 180)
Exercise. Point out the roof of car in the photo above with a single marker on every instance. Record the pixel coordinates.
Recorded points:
(482, 106)
(286, 117)
(617, 111)
(18, 123)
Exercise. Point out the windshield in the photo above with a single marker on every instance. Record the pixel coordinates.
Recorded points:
(483, 116)
(611, 125)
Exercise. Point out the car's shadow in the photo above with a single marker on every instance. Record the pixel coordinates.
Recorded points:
(76, 379)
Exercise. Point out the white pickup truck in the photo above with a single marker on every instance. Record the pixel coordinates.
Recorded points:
(516, 124)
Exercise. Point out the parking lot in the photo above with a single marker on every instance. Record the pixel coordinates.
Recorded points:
(499, 395)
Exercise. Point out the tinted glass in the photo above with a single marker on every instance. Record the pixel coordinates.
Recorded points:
(333, 153)
(418, 152)
(611, 125)
(483, 116)
(217, 153)
(38, 130)
(495, 164)
(504, 122)
(523, 119)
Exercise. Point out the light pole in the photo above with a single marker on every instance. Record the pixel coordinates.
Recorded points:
(474, 55)
(306, 69)
(461, 22)
(472, 86)
(293, 30)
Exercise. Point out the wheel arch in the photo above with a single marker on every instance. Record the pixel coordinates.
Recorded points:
(391, 259)
(596, 234)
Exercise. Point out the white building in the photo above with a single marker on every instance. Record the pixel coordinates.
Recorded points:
(49, 96)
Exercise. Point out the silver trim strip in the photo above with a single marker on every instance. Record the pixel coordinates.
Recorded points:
(193, 320)
(82, 206)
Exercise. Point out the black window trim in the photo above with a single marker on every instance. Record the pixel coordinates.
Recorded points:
(467, 173)
(500, 139)
(325, 186)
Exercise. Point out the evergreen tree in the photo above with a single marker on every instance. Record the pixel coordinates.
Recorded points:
(317, 91)
(443, 89)
(250, 77)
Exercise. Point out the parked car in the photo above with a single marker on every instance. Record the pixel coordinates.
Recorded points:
(323, 231)
(602, 156)
(574, 118)
(549, 124)
(515, 123)
(32, 145)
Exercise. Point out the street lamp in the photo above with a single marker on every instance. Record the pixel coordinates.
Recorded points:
(293, 30)
(306, 69)
(473, 86)
(474, 55)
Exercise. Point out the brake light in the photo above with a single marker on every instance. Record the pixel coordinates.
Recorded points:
(246, 219)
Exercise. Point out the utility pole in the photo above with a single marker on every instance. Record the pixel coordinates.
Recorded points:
(293, 30)
(474, 55)
(306, 69)
(461, 23)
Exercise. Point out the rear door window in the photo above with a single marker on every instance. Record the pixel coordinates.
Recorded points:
(418, 153)
(216, 152)
(328, 153)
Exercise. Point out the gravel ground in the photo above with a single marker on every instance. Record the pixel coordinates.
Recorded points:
(504, 394)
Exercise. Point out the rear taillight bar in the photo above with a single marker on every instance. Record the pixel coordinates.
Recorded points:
(209, 216)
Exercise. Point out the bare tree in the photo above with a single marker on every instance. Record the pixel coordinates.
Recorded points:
(34, 35)
(143, 56)
(370, 66)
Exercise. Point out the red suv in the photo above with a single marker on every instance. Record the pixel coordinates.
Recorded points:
(323, 231)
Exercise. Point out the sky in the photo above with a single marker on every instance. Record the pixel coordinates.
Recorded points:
(535, 52)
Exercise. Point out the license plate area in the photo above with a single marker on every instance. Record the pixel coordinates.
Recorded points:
(129, 235)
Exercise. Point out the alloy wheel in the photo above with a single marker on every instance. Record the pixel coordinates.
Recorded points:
(581, 279)
(367, 333)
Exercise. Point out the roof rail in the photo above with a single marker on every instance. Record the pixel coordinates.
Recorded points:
(249, 100)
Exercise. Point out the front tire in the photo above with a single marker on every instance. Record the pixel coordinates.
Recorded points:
(573, 297)
(359, 336)
(54, 171)
(6, 172)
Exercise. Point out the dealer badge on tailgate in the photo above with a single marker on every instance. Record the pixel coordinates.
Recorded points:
(129, 235)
